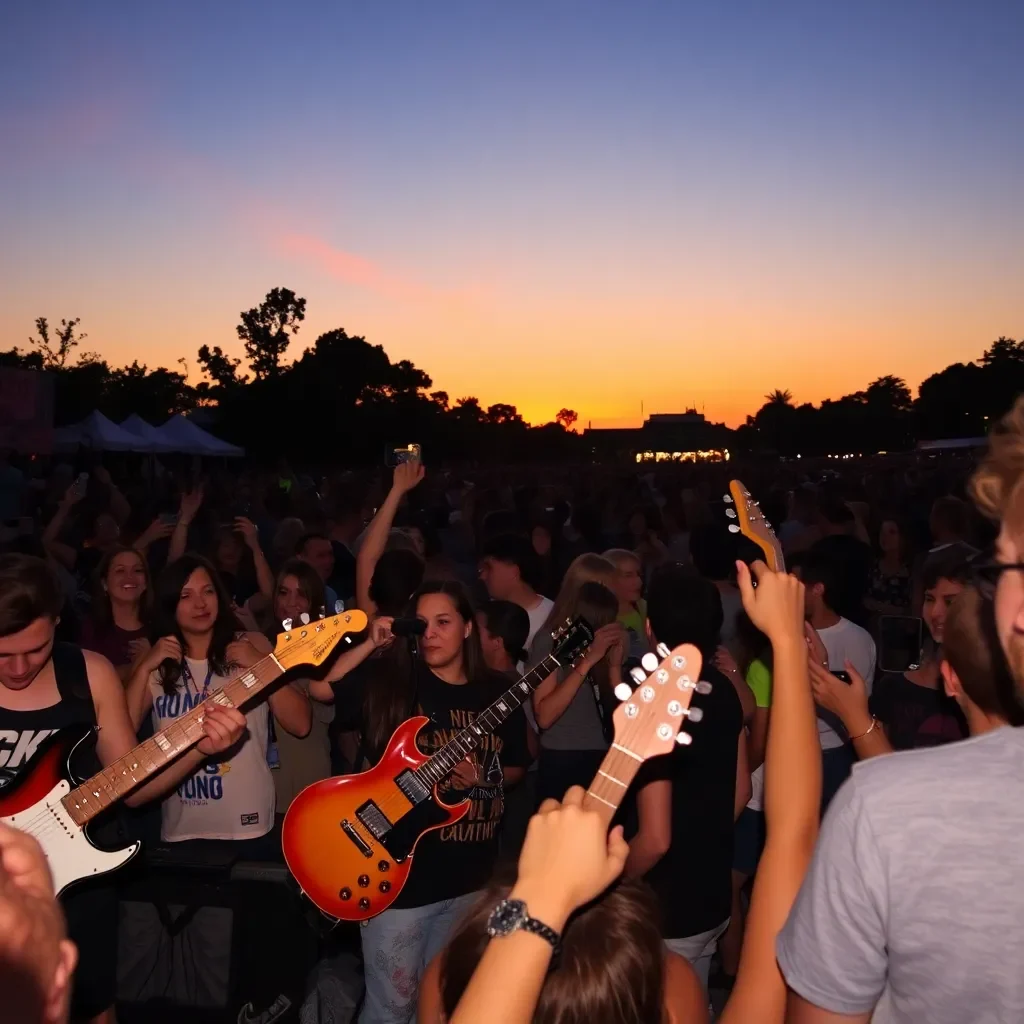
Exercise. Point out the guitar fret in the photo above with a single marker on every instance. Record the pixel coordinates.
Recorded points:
(120, 777)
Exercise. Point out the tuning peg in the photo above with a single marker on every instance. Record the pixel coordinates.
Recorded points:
(731, 513)
(733, 528)
(339, 607)
(662, 650)
(649, 662)
(287, 625)
(304, 617)
(323, 612)
(703, 687)
(684, 739)
(693, 714)
(623, 691)
(727, 498)
(638, 675)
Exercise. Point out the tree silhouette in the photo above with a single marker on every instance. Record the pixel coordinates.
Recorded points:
(778, 397)
(55, 354)
(567, 417)
(221, 368)
(267, 329)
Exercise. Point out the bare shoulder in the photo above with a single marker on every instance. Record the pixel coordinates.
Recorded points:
(684, 997)
(101, 673)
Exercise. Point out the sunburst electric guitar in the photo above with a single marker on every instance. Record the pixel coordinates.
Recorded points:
(350, 841)
(39, 798)
(745, 516)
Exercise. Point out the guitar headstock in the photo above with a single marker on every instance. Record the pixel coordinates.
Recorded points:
(569, 641)
(310, 642)
(745, 517)
(648, 719)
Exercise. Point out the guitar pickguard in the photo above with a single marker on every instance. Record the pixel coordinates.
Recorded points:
(401, 837)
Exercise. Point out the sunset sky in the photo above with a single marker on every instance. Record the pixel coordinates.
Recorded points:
(559, 203)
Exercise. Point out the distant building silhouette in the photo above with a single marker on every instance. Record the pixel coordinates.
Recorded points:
(681, 436)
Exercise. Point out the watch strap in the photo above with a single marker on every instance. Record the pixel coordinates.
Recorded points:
(531, 924)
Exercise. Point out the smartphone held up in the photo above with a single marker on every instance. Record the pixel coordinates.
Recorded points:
(407, 453)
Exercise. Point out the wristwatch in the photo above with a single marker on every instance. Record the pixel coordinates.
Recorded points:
(510, 915)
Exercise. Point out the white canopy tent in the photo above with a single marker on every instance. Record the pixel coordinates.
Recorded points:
(156, 441)
(189, 438)
(100, 434)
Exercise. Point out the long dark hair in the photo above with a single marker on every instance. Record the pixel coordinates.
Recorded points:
(169, 586)
(100, 611)
(612, 967)
(391, 692)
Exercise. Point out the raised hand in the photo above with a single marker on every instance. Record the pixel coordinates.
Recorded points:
(167, 648)
(847, 700)
(407, 476)
(242, 654)
(189, 505)
(568, 858)
(247, 528)
(775, 605)
(380, 631)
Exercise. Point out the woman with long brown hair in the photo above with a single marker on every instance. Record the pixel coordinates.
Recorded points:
(445, 679)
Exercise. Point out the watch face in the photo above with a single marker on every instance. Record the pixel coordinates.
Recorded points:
(506, 917)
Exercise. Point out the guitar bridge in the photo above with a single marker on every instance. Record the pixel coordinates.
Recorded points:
(360, 843)
(374, 820)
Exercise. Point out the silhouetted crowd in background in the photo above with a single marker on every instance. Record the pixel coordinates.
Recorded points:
(899, 587)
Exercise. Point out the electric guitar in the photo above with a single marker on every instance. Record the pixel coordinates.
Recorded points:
(647, 722)
(745, 517)
(39, 798)
(350, 840)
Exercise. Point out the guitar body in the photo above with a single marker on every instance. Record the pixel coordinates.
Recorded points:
(30, 800)
(350, 840)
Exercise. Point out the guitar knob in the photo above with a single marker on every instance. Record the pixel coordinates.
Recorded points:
(346, 893)
(364, 881)
(364, 904)
(383, 866)
(384, 886)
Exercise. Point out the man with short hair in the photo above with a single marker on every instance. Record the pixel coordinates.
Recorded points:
(47, 686)
(510, 571)
(913, 908)
(317, 551)
(844, 641)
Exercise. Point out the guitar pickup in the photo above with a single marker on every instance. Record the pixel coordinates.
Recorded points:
(373, 819)
(360, 843)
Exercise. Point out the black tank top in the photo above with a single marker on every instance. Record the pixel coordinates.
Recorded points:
(22, 732)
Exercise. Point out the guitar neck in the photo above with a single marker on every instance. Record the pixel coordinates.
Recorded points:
(445, 760)
(612, 781)
(120, 777)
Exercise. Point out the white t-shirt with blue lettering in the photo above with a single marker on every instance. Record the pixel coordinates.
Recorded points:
(231, 799)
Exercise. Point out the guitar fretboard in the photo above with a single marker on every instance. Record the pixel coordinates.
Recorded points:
(445, 760)
(120, 777)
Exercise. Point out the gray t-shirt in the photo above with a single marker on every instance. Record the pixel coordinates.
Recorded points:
(579, 726)
(914, 902)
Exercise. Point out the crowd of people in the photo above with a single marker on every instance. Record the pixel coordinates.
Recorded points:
(874, 688)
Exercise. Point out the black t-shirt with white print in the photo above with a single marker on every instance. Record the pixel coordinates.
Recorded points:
(457, 859)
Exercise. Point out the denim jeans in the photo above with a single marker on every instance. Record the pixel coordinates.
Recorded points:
(699, 949)
(397, 946)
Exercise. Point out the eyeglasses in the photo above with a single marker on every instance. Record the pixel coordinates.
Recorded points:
(986, 572)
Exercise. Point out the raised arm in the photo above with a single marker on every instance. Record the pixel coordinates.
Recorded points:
(567, 860)
(791, 799)
(63, 553)
(264, 574)
(407, 476)
(850, 702)
(187, 510)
